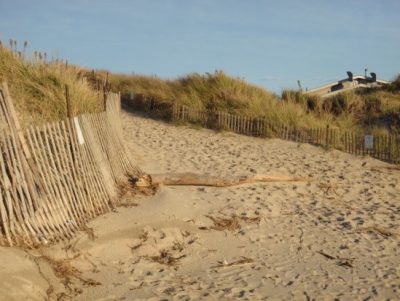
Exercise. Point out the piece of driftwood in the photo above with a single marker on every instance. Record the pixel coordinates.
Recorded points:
(377, 168)
(193, 179)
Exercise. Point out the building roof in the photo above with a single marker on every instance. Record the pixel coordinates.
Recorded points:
(369, 83)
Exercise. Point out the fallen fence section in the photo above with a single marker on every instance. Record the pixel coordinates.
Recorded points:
(383, 147)
(57, 176)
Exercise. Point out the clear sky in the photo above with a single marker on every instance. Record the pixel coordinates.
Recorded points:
(268, 43)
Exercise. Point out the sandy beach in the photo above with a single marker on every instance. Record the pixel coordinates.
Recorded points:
(335, 238)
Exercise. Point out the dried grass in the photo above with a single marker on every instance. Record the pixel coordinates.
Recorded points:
(377, 168)
(127, 203)
(143, 237)
(251, 220)
(328, 187)
(165, 257)
(38, 88)
(232, 223)
(377, 230)
(64, 270)
(343, 262)
(62, 267)
(129, 190)
(178, 246)
(221, 224)
(89, 232)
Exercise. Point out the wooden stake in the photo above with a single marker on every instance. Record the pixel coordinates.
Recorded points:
(70, 113)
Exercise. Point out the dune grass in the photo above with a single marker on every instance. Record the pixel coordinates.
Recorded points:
(217, 91)
(375, 110)
(371, 110)
(38, 90)
(38, 87)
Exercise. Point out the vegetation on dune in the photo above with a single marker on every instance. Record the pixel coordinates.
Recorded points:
(38, 87)
(217, 91)
(373, 109)
(38, 90)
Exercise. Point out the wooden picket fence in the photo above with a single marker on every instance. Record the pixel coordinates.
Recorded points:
(57, 176)
(383, 147)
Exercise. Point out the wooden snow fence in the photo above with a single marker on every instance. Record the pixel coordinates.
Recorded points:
(383, 147)
(57, 176)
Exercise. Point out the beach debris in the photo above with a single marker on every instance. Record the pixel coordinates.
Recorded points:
(193, 179)
(89, 231)
(165, 257)
(64, 270)
(230, 223)
(144, 236)
(136, 187)
(169, 291)
(127, 203)
(241, 260)
(377, 168)
(344, 262)
(252, 220)
(328, 187)
(204, 228)
(221, 223)
(377, 230)
(178, 246)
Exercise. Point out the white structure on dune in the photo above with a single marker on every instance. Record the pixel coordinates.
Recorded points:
(349, 83)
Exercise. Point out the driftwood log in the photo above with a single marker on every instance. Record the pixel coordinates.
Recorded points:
(193, 179)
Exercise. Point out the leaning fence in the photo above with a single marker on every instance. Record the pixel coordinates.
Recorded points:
(57, 176)
(383, 147)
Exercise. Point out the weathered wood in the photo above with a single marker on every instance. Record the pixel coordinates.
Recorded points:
(50, 208)
(208, 180)
(13, 122)
(70, 112)
(9, 220)
(18, 195)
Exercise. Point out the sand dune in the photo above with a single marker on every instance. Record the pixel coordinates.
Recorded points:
(336, 237)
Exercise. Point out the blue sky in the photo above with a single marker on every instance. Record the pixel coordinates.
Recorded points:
(268, 43)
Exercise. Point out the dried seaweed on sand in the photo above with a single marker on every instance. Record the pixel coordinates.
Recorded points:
(344, 262)
(230, 223)
(377, 230)
(221, 223)
(165, 257)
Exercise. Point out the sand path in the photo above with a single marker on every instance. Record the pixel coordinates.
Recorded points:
(337, 237)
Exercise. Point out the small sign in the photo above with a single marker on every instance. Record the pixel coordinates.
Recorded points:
(369, 141)
(81, 140)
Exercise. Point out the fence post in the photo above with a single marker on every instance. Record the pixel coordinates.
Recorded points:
(327, 136)
(70, 113)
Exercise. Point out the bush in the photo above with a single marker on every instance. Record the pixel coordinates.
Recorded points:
(395, 85)
(373, 105)
(311, 103)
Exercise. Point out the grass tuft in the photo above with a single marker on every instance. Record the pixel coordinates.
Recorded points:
(38, 87)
